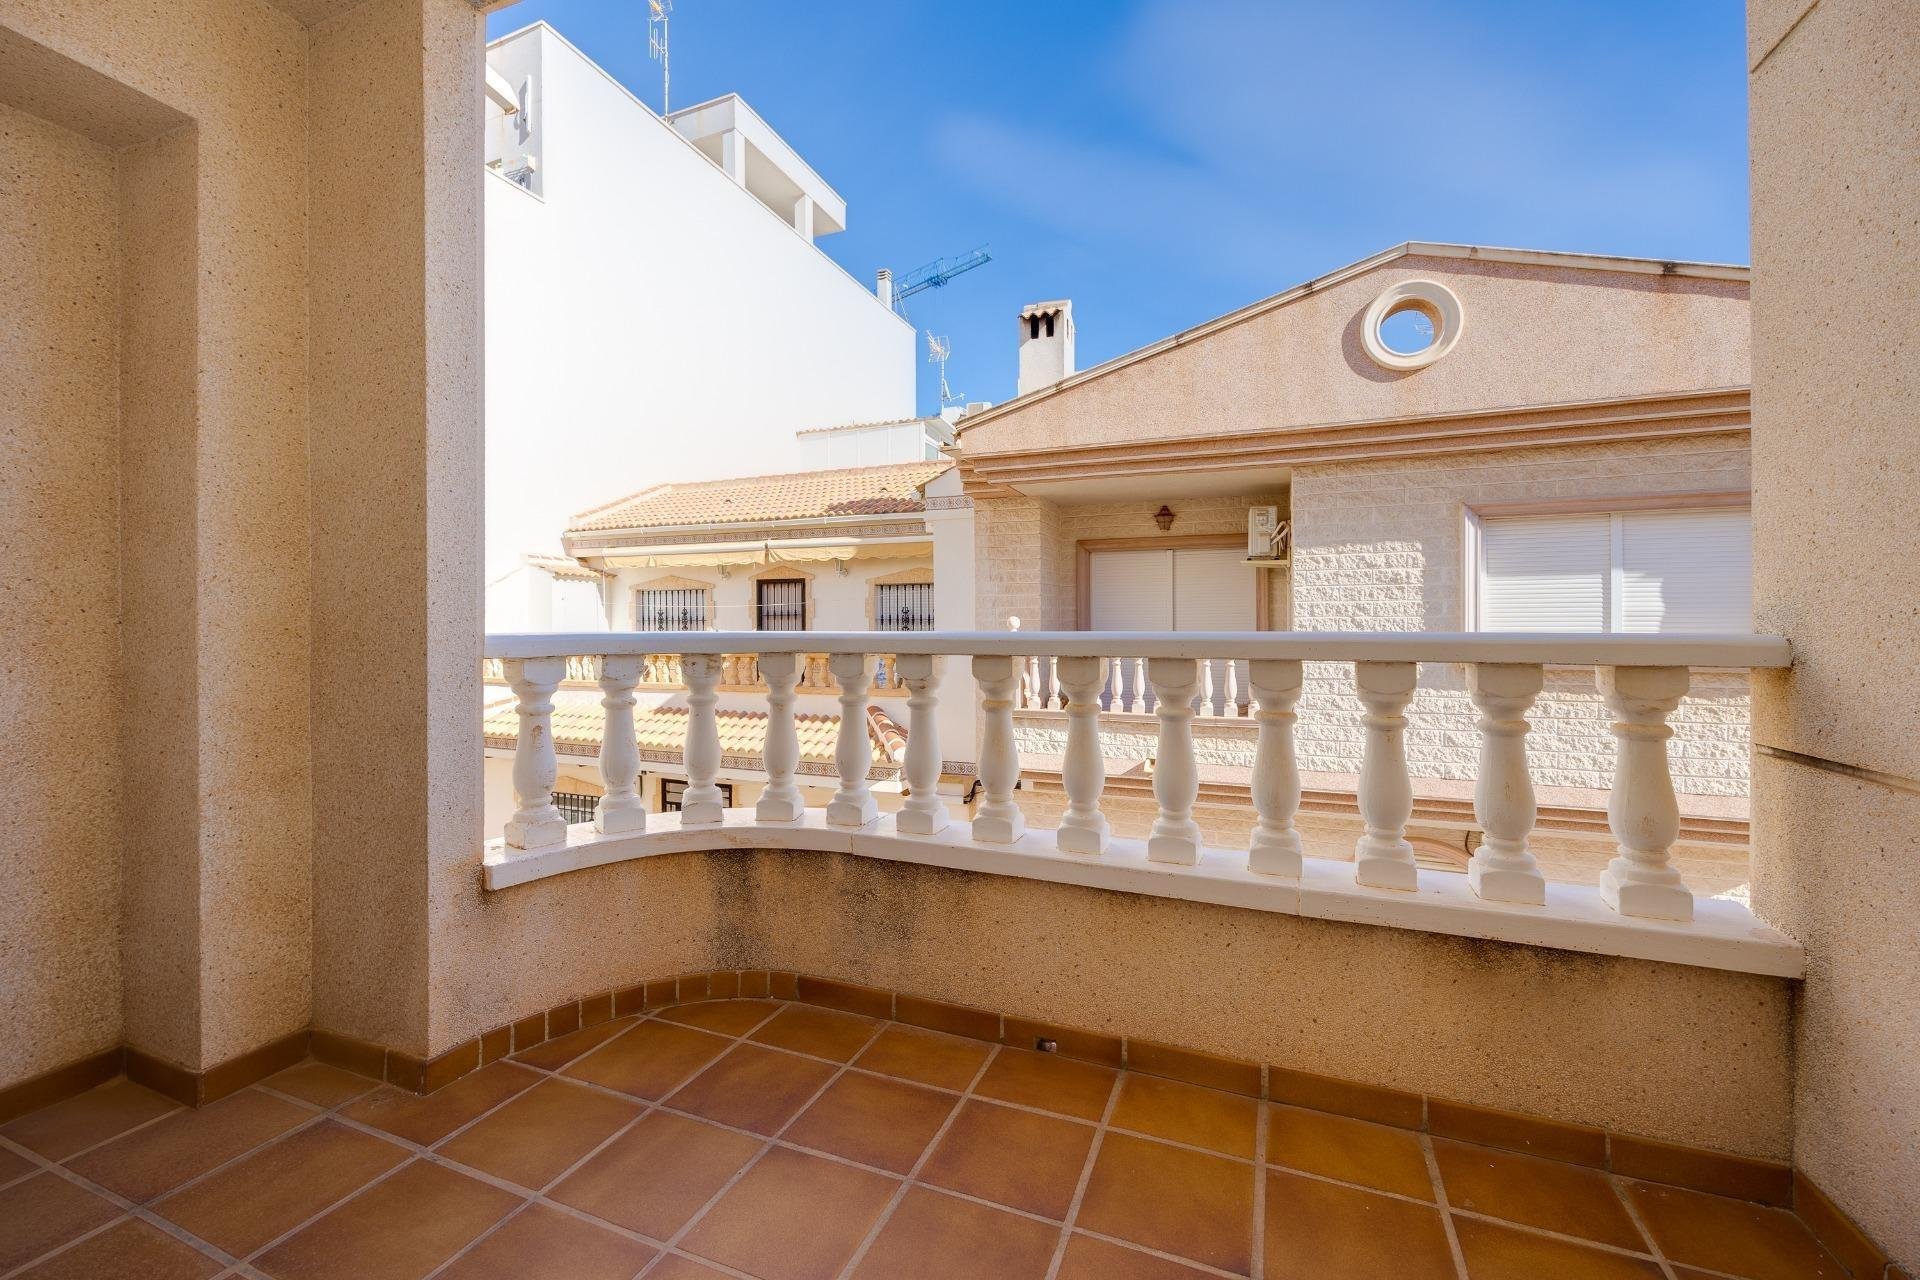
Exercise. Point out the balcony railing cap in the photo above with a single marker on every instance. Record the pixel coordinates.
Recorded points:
(1546, 648)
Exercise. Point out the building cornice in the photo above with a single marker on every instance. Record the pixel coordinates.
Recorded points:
(1691, 413)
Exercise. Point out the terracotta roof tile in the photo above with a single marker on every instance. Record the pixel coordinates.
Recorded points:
(801, 495)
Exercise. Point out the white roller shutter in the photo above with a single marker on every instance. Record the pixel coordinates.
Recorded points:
(1545, 573)
(1131, 591)
(1685, 571)
(1213, 590)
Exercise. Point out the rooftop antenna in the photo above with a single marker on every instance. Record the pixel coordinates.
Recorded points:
(658, 11)
(938, 349)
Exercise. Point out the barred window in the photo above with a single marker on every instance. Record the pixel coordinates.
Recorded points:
(574, 807)
(671, 609)
(903, 606)
(673, 793)
(780, 604)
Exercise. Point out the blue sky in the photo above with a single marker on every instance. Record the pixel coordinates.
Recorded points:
(1162, 164)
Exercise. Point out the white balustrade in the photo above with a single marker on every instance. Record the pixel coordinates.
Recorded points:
(998, 820)
(621, 807)
(781, 801)
(853, 804)
(1176, 777)
(1642, 811)
(923, 812)
(1083, 828)
(1383, 858)
(1642, 681)
(1503, 869)
(702, 804)
(536, 822)
(1274, 848)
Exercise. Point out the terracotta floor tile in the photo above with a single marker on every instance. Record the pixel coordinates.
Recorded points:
(280, 1186)
(723, 1017)
(884, 1123)
(650, 1061)
(824, 1033)
(87, 1119)
(1504, 1253)
(44, 1211)
(129, 1249)
(540, 1243)
(1372, 1155)
(533, 1139)
(398, 1229)
(1049, 1082)
(14, 1165)
(321, 1084)
(551, 1055)
(1016, 1158)
(678, 1268)
(428, 1119)
(1321, 1231)
(1223, 1122)
(150, 1161)
(1749, 1240)
(656, 1175)
(948, 1062)
(1571, 1199)
(932, 1236)
(792, 1217)
(1168, 1198)
(1090, 1259)
(753, 1088)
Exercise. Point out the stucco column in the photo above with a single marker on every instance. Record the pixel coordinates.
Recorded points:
(396, 400)
(1836, 778)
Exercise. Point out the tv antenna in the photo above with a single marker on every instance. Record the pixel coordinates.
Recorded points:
(658, 11)
(938, 349)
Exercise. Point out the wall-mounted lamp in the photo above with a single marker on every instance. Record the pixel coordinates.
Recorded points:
(1164, 517)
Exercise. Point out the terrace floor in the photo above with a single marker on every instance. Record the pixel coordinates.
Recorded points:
(788, 1142)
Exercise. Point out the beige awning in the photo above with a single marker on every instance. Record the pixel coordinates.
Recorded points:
(798, 551)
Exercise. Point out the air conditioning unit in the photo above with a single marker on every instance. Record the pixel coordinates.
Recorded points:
(1266, 534)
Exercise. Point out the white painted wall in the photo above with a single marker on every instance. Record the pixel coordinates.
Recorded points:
(875, 444)
(647, 318)
(836, 601)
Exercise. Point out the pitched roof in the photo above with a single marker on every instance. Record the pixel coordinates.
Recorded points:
(800, 495)
(561, 567)
(579, 725)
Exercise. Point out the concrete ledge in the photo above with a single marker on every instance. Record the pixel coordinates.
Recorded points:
(1723, 935)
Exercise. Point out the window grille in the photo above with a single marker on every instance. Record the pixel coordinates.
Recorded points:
(780, 604)
(903, 606)
(575, 808)
(673, 791)
(671, 609)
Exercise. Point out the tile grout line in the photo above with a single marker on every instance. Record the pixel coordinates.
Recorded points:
(1086, 1174)
(912, 1179)
(1440, 1202)
(1618, 1184)
(1263, 1119)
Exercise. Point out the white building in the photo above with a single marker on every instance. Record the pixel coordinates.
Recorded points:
(656, 306)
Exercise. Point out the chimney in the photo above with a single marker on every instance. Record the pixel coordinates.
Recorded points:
(1046, 344)
(883, 286)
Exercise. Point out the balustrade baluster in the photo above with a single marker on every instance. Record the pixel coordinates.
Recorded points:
(923, 812)
(852, 805)
(1175, 836)
(620, 808)
(1275, 846)
(998, 819)
(1241, 676)
(1083, 828)
(1643, 811)
(536, 822)
(1383, 859)
(701, 805)
(781, 801)
(1503, 868)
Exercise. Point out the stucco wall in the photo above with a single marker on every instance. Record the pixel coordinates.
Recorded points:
(1378, 546)
(1532, 335)
(205, 108)
(1836, 181)
(1552, 1033)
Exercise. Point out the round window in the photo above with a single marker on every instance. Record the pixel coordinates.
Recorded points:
(1411, 325)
